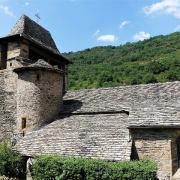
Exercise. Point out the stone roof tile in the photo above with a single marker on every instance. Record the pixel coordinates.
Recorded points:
(38, 65)
(100, 136)
(155, 117)
(84, 129)
(33, 31)
(122, 98)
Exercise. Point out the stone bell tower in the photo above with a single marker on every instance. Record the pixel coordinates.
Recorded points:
(32, 88)
(28, 42)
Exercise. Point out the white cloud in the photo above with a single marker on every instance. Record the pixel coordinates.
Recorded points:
(104, 37)
(7, 11)
(96, 33)
(107, 38)
(167, 6)
(177, 28)
(124, 23)
(140, 36)
(27, 3)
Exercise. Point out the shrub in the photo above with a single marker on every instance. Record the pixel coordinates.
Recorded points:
(149, 78)
(61, 168)
(11, 164)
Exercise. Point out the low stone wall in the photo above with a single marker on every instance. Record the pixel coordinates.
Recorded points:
(158, 145)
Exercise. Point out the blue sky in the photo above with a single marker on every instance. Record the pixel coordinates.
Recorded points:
(81, 24)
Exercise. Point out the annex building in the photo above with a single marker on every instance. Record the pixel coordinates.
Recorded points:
(119, 124)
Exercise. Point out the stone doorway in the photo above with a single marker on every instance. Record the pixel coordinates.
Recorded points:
(176, 159)
(178, 151)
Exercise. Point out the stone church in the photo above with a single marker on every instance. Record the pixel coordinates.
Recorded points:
(40, 116)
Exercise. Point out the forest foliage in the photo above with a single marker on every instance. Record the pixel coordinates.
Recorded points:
(154, 60)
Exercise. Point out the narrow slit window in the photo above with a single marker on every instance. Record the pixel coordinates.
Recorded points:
(10, 64)
(23, 123)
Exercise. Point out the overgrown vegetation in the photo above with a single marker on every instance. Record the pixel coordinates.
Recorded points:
(59, 168)
(11, 164)
(149, 61)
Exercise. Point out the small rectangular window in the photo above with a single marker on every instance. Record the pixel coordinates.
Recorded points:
(23, 123)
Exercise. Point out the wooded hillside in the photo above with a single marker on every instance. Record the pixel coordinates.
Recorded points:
(149, 61)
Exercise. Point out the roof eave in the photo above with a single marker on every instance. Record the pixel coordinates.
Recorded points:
(6, 39)
(9, 37)
(59, 56)
(155, 127)
(25, 68)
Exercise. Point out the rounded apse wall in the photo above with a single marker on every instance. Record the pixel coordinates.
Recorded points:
(39, 98)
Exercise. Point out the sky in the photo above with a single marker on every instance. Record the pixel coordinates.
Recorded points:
(80, 24)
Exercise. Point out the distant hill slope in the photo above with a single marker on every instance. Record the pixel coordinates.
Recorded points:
(149, 61)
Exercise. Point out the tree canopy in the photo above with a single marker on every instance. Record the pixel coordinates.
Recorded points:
(154, 60)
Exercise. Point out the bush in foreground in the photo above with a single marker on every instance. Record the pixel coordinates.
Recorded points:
(61, 168)
(11, 164)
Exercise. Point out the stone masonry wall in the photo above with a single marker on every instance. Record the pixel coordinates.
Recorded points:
(13, 63)
(39, 97)
(158, 145)
(13, 50)
(24, 50)
(16, 49)
(7, 103)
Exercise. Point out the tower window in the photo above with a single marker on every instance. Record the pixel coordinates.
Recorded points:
(10, 64)
(23, 123)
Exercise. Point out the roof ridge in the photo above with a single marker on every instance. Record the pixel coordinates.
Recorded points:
(23, 18)
(28, 18)
(125, 86)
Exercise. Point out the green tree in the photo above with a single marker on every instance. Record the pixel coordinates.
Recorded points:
(11, 163)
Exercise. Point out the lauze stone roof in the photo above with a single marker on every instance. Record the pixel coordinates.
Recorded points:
(94, 123)
(123, 97)
(96, 136)
(34, 32)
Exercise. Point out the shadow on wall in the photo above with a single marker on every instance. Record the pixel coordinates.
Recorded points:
(134, 153)
(69, 107)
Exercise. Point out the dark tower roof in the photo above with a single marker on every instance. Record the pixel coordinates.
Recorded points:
(39, 38)
(34, 32)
